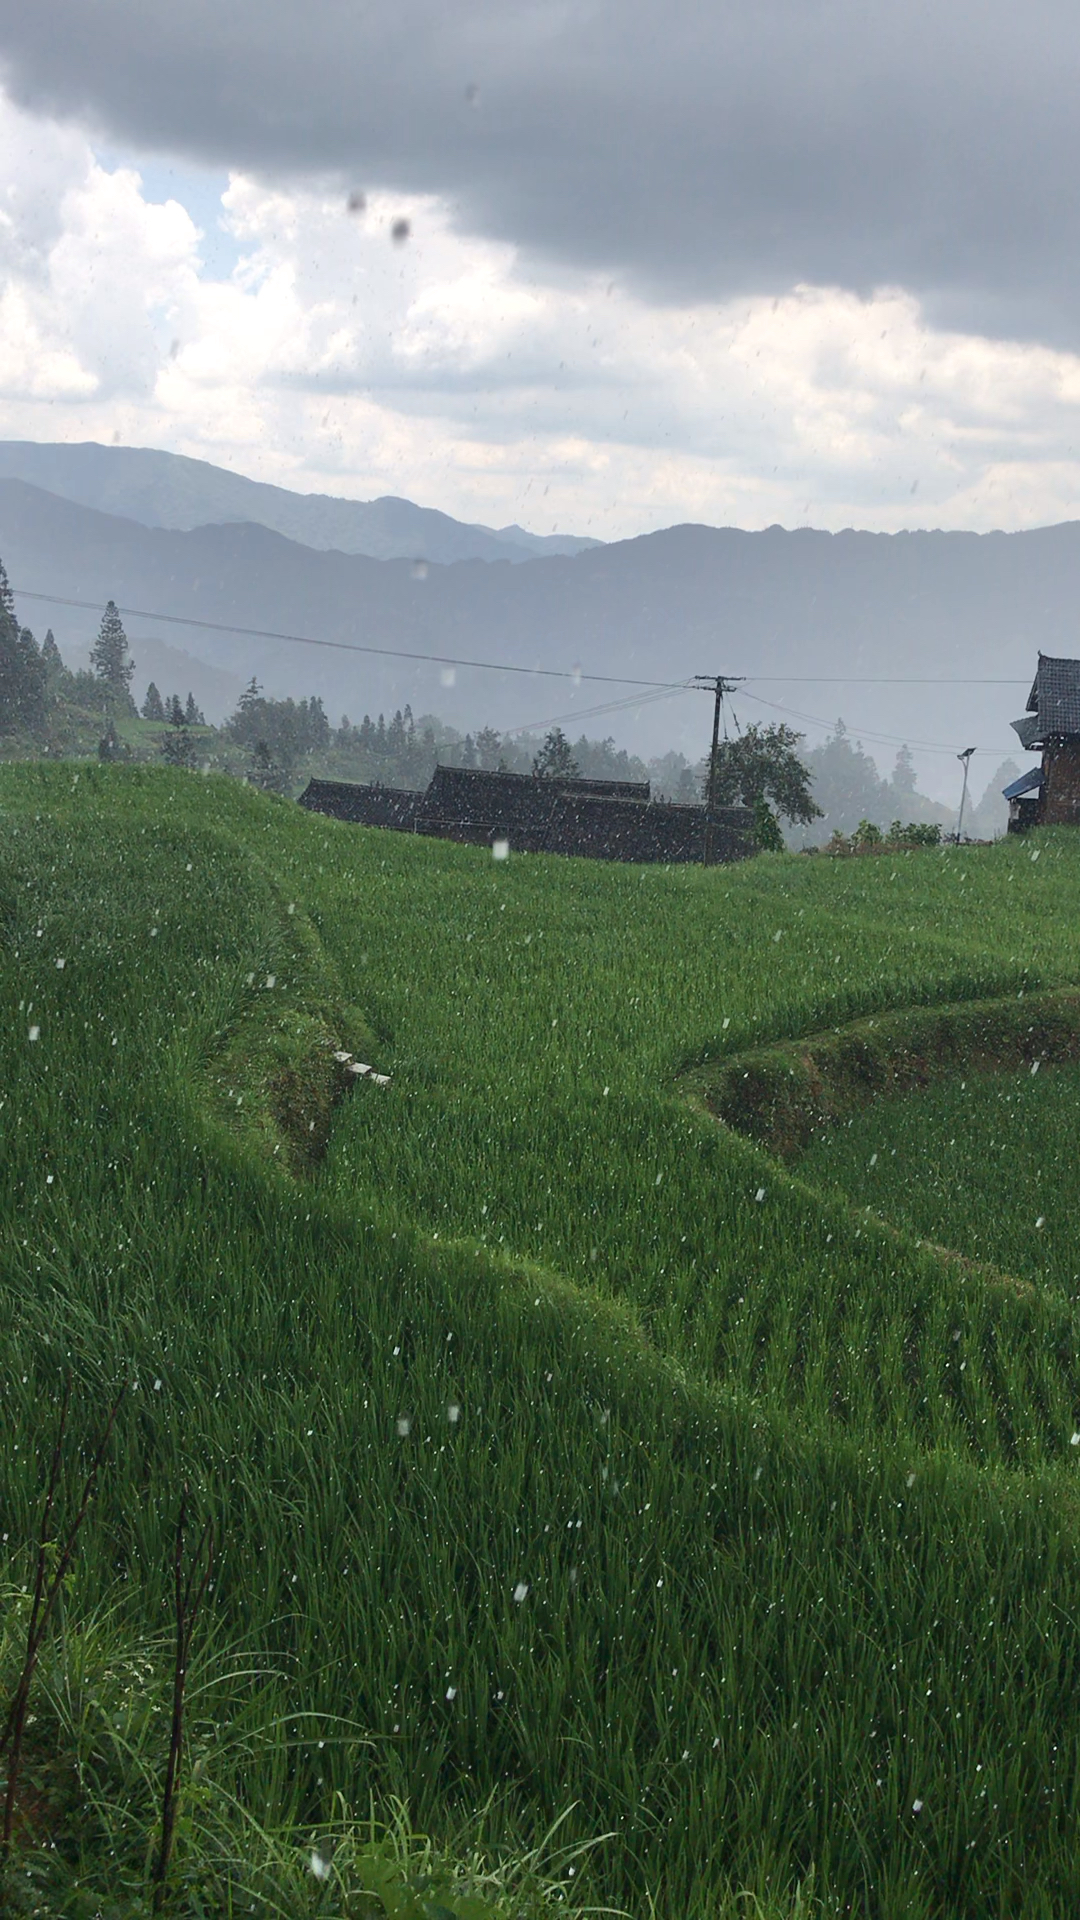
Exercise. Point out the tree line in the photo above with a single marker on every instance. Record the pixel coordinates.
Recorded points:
(827, 789)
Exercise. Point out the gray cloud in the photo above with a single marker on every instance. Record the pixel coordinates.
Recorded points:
(695, 150)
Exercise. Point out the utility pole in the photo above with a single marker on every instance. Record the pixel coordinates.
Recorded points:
(966, 758)
(717, 685)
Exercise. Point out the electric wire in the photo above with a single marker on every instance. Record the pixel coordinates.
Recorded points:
(575, 674)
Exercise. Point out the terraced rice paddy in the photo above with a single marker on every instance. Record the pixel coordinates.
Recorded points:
(569, 1454)
(985, 1163)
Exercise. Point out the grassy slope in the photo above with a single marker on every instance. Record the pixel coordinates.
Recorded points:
(789, 1569)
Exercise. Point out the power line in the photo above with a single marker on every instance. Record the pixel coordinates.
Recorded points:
(501, 666)
(867, 733)
(352, 646)
(592, 713)
(877, 680)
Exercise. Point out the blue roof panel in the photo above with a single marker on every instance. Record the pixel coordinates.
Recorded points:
(1027, 783)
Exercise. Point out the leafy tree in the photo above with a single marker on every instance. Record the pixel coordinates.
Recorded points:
(555, 760)
(111, 662)
(767, 835)
(763, 766)
(917, 833)
(488, 749)
(152, 706)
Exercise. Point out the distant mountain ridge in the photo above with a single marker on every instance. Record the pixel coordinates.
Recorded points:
(842, 610)
(171, 490)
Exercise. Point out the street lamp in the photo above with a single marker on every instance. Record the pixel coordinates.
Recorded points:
(966, 758)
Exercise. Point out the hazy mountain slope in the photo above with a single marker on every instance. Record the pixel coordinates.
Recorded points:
(666, 606)
(169, 490)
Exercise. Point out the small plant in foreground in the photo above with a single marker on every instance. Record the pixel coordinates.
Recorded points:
(46, 1591)
(187, 1599)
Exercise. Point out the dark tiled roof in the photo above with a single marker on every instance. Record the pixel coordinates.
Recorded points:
(1028, 731)
(1054, 699)
(364, 806)
(475, 784)
(599, 820)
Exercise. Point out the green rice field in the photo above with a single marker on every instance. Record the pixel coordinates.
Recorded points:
(986, 1163)
(570, 1458)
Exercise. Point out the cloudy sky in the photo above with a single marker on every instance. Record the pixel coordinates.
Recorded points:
(807, 261)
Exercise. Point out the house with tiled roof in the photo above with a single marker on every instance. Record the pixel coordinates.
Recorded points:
(594, 819)
(1050, 795)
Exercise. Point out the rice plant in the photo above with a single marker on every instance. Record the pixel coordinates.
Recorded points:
(574, 1466)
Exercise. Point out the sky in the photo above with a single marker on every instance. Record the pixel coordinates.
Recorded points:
(588, 267)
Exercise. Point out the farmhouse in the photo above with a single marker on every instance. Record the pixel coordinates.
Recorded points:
(597, 819)
(1050, 795)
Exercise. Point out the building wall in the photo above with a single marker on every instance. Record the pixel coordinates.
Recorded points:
(1061, 794)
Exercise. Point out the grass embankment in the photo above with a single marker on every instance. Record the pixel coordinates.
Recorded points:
(563, 1452)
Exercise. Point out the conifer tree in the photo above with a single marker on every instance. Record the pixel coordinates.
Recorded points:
(555, 760)
(54, 665)
(152, 707)
(9, 658)
(111, 661)
(177, 745)
(33, 693)
(111, 747)
(23, 692)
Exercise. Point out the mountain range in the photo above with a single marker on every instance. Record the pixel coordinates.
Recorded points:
(816, 622)
(170, 490)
